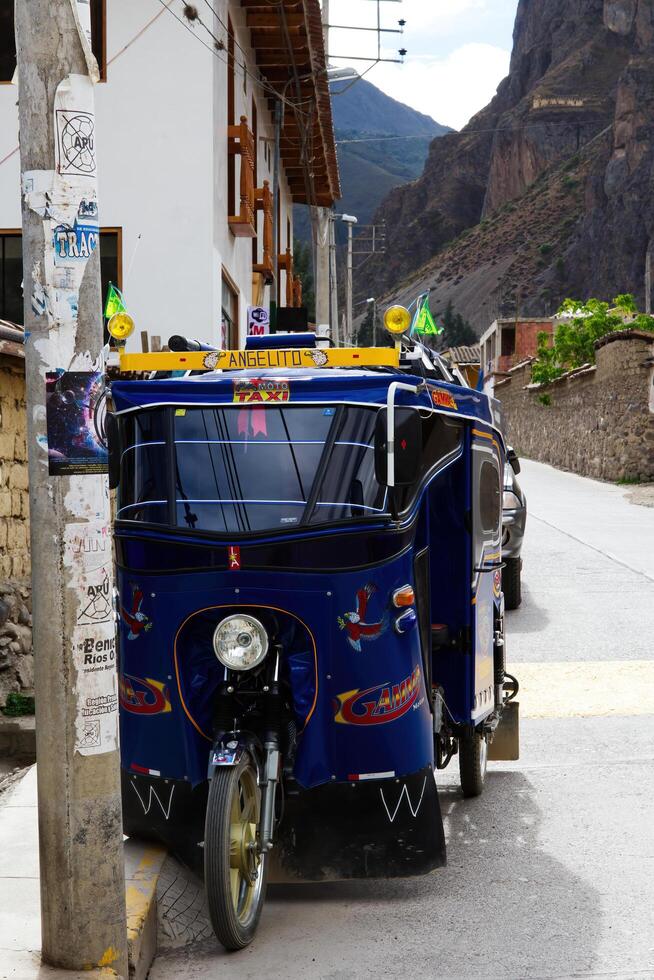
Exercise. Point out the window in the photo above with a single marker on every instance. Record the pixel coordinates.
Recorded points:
(490, 497)
(255, 135)
(229, 315)
(231, 117)
(11, 269)
(8, 43)
(247, 468)
(11, 276)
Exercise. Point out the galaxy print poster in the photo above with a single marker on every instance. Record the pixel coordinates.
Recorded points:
(75, 413)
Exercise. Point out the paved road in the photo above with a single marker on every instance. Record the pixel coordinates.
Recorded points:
(551, 872)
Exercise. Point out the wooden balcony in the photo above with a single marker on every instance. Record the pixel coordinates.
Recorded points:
(264, 202)
(240, 140)
(297, 291)
(285, 262)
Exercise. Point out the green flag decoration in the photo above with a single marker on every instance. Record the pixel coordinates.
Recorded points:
(115, 302)
(425, 323)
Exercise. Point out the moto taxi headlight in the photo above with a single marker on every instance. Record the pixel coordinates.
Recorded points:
(240, 642)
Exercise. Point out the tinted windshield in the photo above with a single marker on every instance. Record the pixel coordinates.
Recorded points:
(241, 469)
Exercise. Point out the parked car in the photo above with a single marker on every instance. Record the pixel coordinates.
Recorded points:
(514, 518)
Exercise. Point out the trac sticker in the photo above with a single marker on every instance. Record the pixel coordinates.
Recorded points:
(247, 392)
(443, 399)
(381, 704)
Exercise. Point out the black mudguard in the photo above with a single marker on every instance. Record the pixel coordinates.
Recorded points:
(374, 829)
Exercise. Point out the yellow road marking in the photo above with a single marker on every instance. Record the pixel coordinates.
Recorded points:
(585, 688)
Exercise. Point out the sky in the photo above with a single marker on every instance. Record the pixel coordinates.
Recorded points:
(458, 51)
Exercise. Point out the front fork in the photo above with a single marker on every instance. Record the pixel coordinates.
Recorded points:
(228, 748)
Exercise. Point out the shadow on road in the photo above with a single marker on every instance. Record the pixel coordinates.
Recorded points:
(529, 618)
(503, 907)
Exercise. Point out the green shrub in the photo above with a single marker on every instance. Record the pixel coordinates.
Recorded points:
(575, 337)
(18, 704)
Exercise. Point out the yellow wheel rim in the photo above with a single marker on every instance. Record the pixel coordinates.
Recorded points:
(244, 857)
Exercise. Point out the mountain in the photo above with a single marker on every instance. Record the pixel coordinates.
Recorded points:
(547, 192)
(371, 169)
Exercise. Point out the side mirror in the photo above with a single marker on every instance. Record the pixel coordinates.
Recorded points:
(406, 450)
(513, 459)
(113, 448)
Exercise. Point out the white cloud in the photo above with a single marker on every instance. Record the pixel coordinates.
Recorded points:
(451, 89)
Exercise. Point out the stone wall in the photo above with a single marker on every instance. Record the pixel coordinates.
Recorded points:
(15, 618)
(598, 421)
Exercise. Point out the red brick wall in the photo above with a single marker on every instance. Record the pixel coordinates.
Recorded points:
(526, 341)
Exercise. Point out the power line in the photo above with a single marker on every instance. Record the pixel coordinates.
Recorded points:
(265, 86)
(464, 132)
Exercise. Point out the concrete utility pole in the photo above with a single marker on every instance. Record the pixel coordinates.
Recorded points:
(350, 221)
(320, 223)
(80, 823)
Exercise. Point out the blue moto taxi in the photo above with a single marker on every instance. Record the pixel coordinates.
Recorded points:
(308, 544)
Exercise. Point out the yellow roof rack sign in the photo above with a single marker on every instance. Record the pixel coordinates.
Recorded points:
(246, 360)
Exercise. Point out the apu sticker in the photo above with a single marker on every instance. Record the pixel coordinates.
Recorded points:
(378, 705)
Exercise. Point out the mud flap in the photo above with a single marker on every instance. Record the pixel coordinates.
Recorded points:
(374, 829)
(505, 746)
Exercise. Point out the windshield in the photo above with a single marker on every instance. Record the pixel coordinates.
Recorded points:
(240, 469)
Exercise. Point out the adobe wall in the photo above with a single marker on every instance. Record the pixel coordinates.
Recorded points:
(600, 421)
(16, 672)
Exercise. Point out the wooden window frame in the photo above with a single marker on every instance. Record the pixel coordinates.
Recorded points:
(226, 277)
(110, 230)
(103, 54)
(231, 116)
(118, 231)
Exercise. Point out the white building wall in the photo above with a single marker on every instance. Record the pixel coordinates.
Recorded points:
(162, 167)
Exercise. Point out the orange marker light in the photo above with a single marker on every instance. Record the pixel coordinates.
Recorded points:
(403, 597)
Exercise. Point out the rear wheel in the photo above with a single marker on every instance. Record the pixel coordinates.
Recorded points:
(234, 869)
(473, 757)
(511, 584)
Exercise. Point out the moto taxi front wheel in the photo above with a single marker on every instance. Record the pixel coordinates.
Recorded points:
(234, 869)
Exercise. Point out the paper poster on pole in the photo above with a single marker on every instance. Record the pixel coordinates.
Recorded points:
(87, 555)
(258, 321)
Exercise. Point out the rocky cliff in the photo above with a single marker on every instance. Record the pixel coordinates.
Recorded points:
(548, 191)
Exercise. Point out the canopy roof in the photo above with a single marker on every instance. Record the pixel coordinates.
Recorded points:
(287, 39)
(333, 385)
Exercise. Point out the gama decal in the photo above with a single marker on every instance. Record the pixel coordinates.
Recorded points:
(144, 696)
(259, 391)
(443, 399)
(378, 705)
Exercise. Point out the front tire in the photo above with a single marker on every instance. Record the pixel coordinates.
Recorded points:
(473, 758)
(511, 583)
(234, 870)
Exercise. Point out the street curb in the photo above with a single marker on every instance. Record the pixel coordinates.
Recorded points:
(17, 737)
(20, 910)
(143, 864)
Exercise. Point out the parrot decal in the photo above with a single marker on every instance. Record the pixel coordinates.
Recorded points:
(136, 620)
(353, 622)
